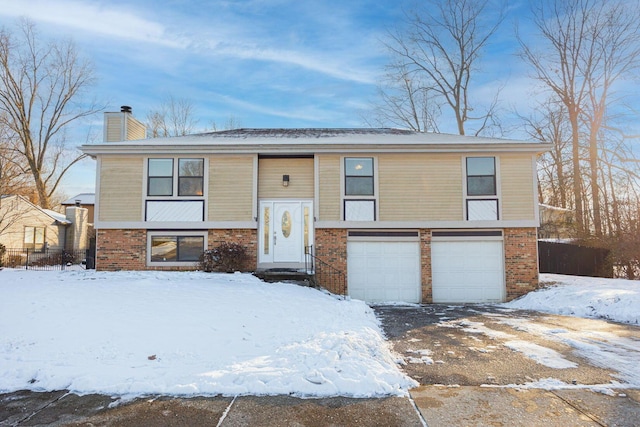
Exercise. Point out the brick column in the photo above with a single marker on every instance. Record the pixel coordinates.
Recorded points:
(331, 247)
(425, 263)
(521, 261)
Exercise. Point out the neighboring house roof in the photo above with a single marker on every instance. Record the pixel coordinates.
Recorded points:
(84, 198)
(314, 140)
(57, 216)
(554, 208)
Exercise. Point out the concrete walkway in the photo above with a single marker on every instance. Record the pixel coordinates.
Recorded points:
(443, 406)
(65, 409)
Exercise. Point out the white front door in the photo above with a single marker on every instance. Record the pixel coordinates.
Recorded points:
(285, 230)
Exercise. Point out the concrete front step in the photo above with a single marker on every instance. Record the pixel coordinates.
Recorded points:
(286, 275)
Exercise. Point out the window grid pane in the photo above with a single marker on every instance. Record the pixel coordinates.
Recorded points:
(481, 166)
(481, 186)
(190, 248)
(164, 248)
(358, 166)
(188, 186)
(160, 186)
(191, 167)
(161, 167)
(359, 186)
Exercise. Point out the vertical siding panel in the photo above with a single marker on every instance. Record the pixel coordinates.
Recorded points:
(121, 183)
(419, 187)
(329, 188)
(230, 188)
(300, 173)
(517, 186)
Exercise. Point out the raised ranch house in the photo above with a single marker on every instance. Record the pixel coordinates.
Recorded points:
(407, 216)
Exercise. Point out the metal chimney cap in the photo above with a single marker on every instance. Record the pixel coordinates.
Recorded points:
(125, 109)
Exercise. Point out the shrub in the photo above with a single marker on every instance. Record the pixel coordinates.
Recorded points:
(227, 258)
(3, 250)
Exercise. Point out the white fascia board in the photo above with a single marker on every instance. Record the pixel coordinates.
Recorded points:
(426, 224)
(145, 225)
(309, 148)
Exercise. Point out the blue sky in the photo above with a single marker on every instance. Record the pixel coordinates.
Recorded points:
(266, 63)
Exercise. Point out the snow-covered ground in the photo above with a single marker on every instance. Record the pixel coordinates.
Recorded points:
(180, 333)
(190, 333)
(612, 299)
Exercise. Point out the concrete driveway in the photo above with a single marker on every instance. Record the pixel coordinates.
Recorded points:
(482, 365)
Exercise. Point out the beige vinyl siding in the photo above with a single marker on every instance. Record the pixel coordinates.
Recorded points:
(414, 187)
(517, 185)
(329, 187)
(114, 127)
(231, 188)
(300, 173)
(135, 129)
(121, 183)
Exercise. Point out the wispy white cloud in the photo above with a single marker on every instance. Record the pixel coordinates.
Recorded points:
(121, 23)
(102, 19)
(313, 115)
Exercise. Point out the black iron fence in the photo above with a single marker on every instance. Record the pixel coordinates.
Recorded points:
(47, 259)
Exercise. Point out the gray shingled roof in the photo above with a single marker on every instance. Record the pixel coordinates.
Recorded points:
(302, 132)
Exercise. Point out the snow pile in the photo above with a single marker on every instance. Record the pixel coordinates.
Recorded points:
(179, 333)
(612, 299)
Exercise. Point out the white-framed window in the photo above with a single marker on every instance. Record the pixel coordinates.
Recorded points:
(481, 186)
(359, 198)
(175, 248)
(175, 189)
(34, 238)
(168, 177)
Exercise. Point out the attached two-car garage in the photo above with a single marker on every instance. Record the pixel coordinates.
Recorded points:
(467, 267)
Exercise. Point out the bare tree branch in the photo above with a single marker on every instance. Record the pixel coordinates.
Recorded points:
(41, 87)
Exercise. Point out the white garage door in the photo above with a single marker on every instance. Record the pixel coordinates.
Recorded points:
(384, 271)
(467, 271)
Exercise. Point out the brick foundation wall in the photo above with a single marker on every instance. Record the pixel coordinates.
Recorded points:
(121, 250)
(521, 261)
(127, 249)
(244, 237)
(331, 247)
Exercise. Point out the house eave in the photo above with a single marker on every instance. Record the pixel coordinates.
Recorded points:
(309, 149)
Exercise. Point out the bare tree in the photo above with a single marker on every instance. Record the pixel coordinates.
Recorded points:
(41, 86)
(588, 45)
(232, 122)
(437, 54)
(405, 103)
(173, 117)
(14, 178)
(548, 123)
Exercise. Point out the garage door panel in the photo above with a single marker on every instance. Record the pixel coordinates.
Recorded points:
(467, 271)
(380, 271)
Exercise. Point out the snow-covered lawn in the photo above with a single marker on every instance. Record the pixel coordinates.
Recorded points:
(180, 333)
(612, 299)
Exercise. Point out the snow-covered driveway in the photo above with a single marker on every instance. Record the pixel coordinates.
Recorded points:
(499, 346)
